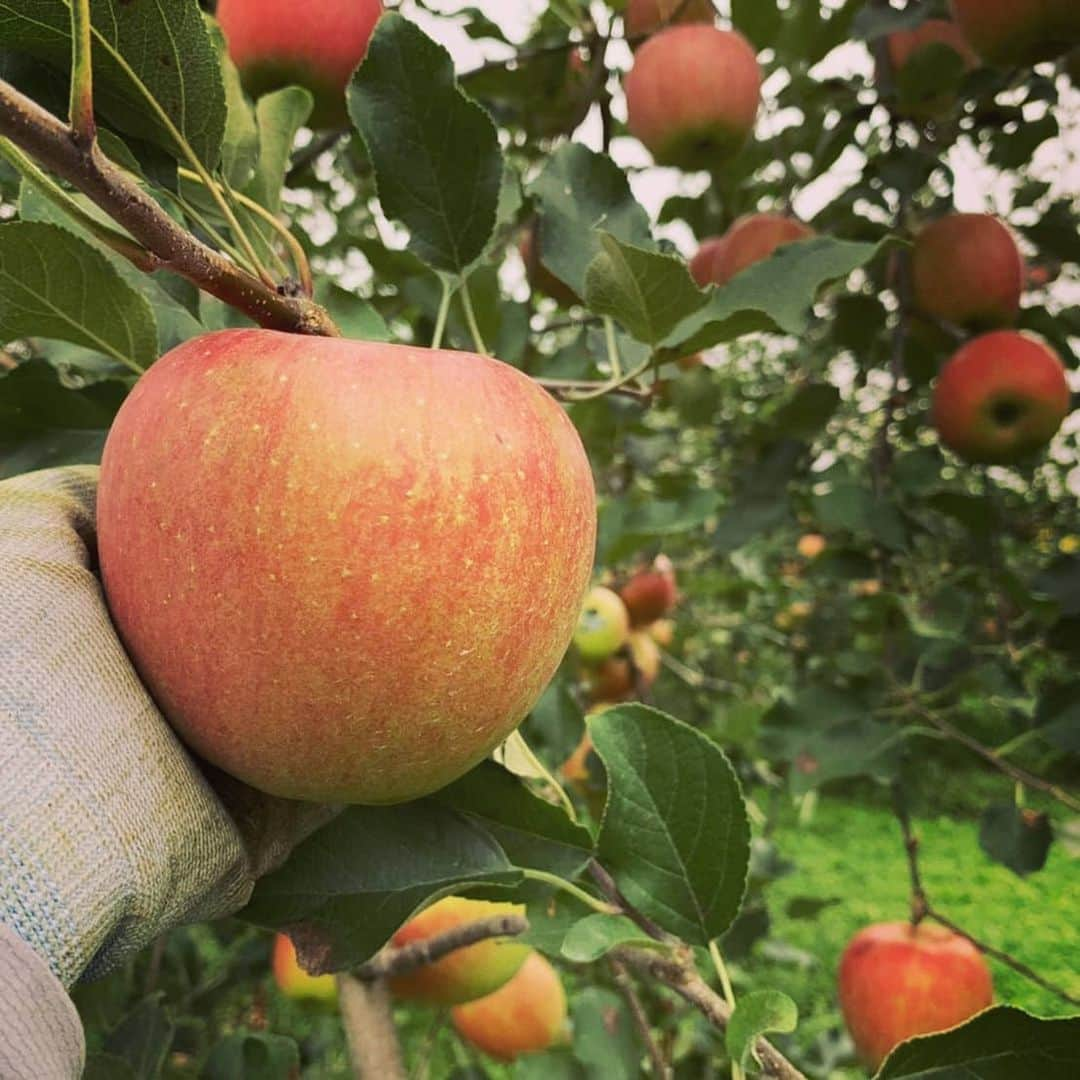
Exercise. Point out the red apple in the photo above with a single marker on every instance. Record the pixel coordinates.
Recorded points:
(465, 974)
(525, 1016)
(540, 277)
(345, 570)
(751, 239)
(317, 45)
(1019, 31)
(616, 680)
(644, 17)
(966, 269)
(904, 45)
(701, 264)
(651, 592)
(898, 981)
(1001, 398)
(294, 981)
(692, 95)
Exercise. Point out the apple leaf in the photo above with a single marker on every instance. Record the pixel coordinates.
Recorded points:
(755, 1015)
(675, 835)
(1016, 837)
(647, 292)
(143, 1037)
(278, 118)
(1002, 1043)
(596, 935)
(580, 192)
(551, 918)
(355, 881)
(605, 1039)
(249, 1055)
(240, 145)
(33, 400)
(436, 153)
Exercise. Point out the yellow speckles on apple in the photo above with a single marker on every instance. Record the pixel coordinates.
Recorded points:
(256, 427)
(346, 572)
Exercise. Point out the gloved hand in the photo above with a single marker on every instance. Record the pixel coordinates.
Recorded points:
(110, 831)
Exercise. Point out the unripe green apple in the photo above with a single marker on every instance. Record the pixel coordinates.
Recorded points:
(345, 570)
(692, 95)
(1001, 398)
(465, 974)
(1009, 32)
(525, 1016)
(898, 981)
(294, 981)
(317, 44)
(603, 625)
(643, 17)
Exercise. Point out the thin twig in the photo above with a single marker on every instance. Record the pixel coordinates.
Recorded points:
(314, 149)
(625, 985)
(369, 1029)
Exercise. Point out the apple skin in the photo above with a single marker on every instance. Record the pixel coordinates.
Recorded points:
(651, 592)
(294, 981)
(465, 974)
(540, 277)
(525, 1016)
(692, 95)
(345, 570)
(614, 679)
(967, 269)
(811, 545)
(644, 17)
(1001, 398)
(702, 262)
(903, 45)
(751, 239)
(275, 43)
(1006, 32)
(897, 981)
(603, 625)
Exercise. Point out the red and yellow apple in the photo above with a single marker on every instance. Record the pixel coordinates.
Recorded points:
(967, 269)
(465, 974)
(345, 570)
(540, 277)
(692, 95)
(1019, 31)
(811, 545)
(276, 43)
(702, 262)
(603, 625)
(906, 45)
(651, 592)
(618, 679)
(750, 240)
(1001, 398)
(897, 981)
(644, 17)
(662, 632)
(525, 1016)
(294, 981)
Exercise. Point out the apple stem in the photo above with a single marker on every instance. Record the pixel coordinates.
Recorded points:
(444, 311)
(81, 108)
(470, 318)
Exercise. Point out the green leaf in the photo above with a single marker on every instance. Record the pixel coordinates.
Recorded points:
(107, 1067)
(278, 117)
(1002, 1043)
(54, 285)
(755, 1015)
(356, 318)
(143, 1038)
(435, 151)
(33, 400)
(160, 50)
(1058, 716)
(359, 878)
(596, 935)
(646, 291)
(605, 1040)
(253, 1056)
(759, 20)
(533, 833)
(240, 146)
(675, 834)
(580, 192)
(1017, 838)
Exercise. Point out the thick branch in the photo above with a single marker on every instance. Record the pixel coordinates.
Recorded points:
(369, 1029)
(391, 963)
(52, 144)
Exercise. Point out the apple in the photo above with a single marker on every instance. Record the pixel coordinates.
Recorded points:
(294, 981)
(811, 545)
(345, 570)
(793, 616)
(540, 277)
(525, 1016)
(702, 262)
(644, 17)
(465, 974)
(905, 45)
(662, 632)
(898, 981)
(616, 680)
(603, 625)
(751, 239)
(275, 43)
(651, 592)
(692, 95)
(1009, 32)
(1001, 398)
(967, 269)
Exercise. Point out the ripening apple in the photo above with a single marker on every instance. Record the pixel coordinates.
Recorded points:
(662, 632)
(907, 45)
(651, 592)
(1009, 32)
(317, 45)
(540, 277)
(465, 974)
(692, 95)
(967, 269)
(1001, 398)
(897, 981)
(702, 262)
(525, 1016)
(644, 17)
(603, 625)
(811, 545)
(345, 570)
(616, 679)
(751, 239)
(294, 981)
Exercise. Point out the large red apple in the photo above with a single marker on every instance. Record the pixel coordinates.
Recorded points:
(651, 592)
(1001, 398)
(1019, 31)
(898, 981)
(692, 95)
(906, 45)
(526, 1015)
(465, 974)
(346, 570)
(751, 239)
(967, 269)
(316, 45)
(644, 17)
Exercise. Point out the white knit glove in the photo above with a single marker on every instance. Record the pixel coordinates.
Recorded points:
(110, 832)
